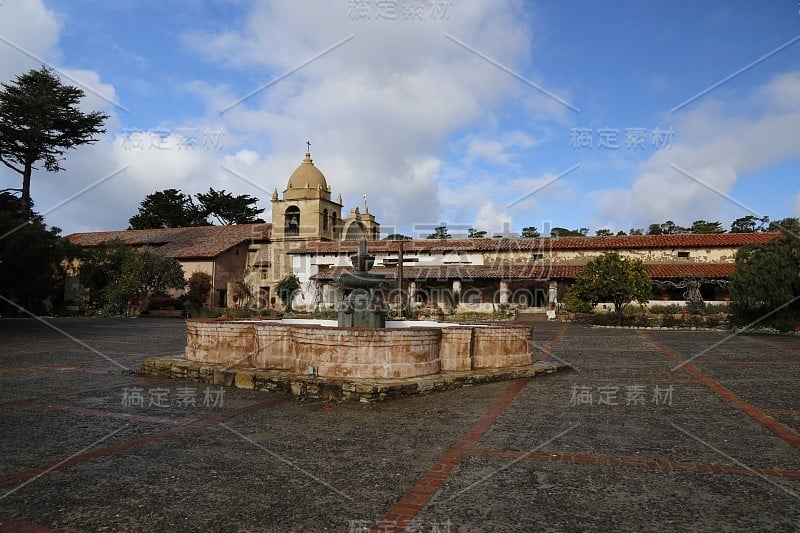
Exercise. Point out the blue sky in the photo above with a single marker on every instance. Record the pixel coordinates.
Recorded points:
(475, 114)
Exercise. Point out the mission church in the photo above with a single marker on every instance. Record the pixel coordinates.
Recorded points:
(254, 256)
(309, 237)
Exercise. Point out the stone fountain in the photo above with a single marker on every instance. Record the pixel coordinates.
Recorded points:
(362, 307)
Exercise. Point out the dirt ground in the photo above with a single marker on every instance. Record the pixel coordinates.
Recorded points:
(631, 439)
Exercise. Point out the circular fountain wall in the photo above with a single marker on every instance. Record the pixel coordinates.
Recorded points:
(403, 349)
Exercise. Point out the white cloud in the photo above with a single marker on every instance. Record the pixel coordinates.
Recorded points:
(29, 34)
(782, 93)
(139, 169)
(497, 150)
(715, 144)
(380, 108)
(492, 219)
(97, 94)
(28, 29)
(526, 194)
(110, 203)
(526, 200)
(32, 32)
(490, 150)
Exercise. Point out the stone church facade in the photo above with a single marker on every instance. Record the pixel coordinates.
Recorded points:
(304, 214)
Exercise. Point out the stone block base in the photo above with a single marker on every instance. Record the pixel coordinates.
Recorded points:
(338, 389)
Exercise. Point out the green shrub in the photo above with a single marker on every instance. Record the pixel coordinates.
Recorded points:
(325, 314)
(199, 286)
(604, 319)
(208, 312)
(164, 302)
(696, 308)
(669, 321)
(765, 284)
(667, 309)
(573, 304)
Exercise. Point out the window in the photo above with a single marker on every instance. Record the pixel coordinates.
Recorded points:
(683, 255)
(263, 296)
(292, 221)
(324, 220)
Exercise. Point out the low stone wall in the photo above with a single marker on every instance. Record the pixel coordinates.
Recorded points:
(396, 352)
(364, 390)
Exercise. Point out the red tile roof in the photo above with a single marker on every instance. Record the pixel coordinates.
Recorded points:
(534, 271)
(182, 243)
(713, 240)
(691, 270)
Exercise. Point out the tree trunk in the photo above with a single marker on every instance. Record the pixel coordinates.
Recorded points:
(26, 186)
(618, 310)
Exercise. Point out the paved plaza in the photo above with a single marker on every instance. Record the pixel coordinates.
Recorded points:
(631, 439)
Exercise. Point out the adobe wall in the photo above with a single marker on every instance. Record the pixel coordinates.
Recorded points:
(581, 257)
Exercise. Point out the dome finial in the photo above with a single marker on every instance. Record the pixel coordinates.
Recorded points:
(306, 176)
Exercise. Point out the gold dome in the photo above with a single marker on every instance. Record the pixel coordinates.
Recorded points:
(307, 175)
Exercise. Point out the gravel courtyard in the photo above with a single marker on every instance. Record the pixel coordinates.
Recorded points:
(631, 439)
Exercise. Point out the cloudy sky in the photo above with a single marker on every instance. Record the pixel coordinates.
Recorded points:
(487, 114)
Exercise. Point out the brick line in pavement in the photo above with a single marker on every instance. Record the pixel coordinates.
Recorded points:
(749, 363)
(547, 352)
(13, 526)
(641, 463)
(749, 409)
(415, 499)
(138, 441)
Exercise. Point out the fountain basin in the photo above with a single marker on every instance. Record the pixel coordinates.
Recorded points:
(404, 349)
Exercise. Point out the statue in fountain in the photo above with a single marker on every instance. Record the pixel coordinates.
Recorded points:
(362, 307)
